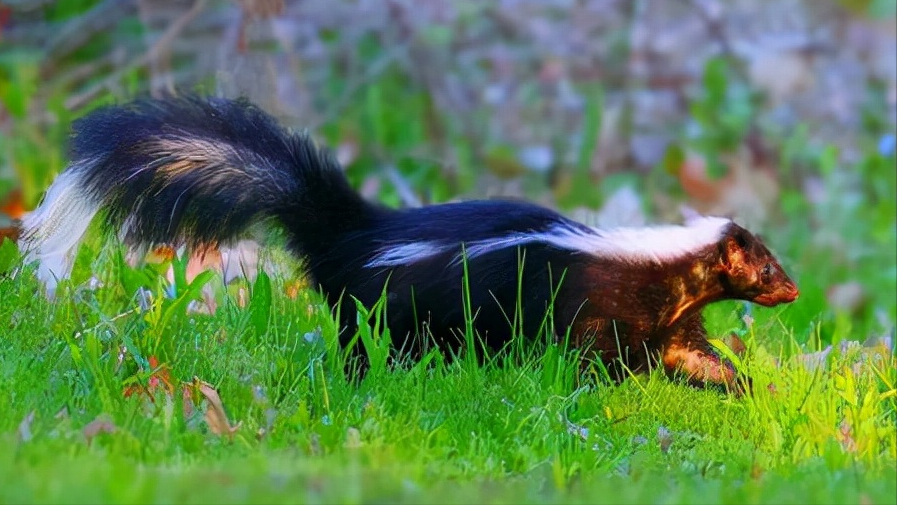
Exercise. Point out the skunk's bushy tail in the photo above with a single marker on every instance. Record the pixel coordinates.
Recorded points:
(189, 171)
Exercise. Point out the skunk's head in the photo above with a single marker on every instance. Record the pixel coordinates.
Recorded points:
(750, 272)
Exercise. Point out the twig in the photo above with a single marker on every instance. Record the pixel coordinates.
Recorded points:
(170, 34)
(105, 322)
(74, 34)
(72, 78)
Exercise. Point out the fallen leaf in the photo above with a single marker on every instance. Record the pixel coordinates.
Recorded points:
(11, 232)
(734, 342)
(25, 427)
(215, 417)
(697, 183)
(160, 378)
(102, 424)
(13, 205)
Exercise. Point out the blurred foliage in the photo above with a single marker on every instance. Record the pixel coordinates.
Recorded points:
(436, 101)
(781, 114)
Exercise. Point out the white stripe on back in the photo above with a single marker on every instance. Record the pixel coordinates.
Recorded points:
(651, 244)
(405, 254)
(631, 245)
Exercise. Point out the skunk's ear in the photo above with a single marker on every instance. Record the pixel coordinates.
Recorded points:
(735, 244)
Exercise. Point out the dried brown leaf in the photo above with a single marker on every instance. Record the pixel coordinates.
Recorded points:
(102, 424)
(216, 417)
(13, 205)
(735, 344)
(159, 381)
(11, 232)
(697, 183)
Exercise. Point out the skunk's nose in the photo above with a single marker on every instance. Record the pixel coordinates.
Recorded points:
(791, 293)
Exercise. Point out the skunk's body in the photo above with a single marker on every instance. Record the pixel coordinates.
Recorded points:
(201, 171)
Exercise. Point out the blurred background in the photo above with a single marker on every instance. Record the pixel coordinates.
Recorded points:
(778, 113)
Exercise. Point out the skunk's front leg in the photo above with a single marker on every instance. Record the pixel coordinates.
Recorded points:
(685, 349)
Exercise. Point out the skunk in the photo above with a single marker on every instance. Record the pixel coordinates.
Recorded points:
(201, 171)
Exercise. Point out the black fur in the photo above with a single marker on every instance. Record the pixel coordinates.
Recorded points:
(292, 179)
(201, 171)
(328, 223)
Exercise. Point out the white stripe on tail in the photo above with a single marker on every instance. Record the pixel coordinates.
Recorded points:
(51, 232)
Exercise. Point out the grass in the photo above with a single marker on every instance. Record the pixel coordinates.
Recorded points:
(76, 375)
(526, 430)
(76, 416)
